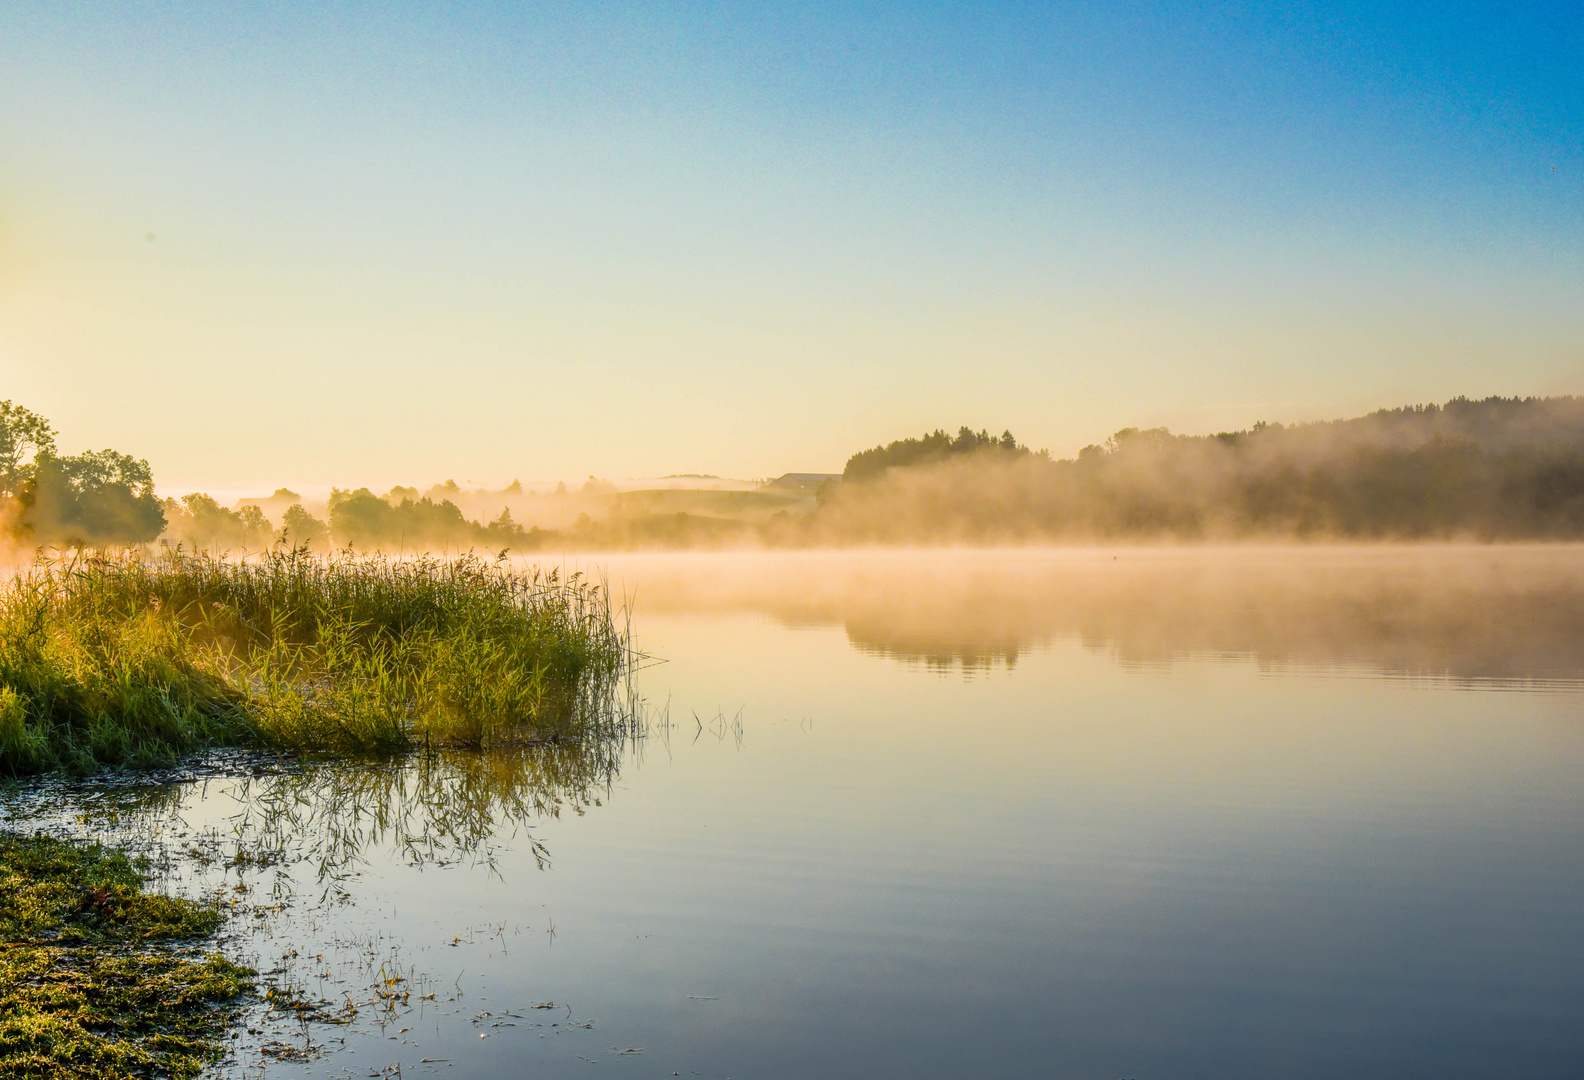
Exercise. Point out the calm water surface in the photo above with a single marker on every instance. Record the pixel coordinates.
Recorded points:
(977, 815)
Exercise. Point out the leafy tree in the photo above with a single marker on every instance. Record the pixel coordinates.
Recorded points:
(364, 520)
(301, 527)
(254, 524)
(23, 433)
(96, 498)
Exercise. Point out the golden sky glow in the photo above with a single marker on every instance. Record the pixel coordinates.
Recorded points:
(376, 248)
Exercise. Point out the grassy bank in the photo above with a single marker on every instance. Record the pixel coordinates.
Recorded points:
(129, 661)
(99, 978)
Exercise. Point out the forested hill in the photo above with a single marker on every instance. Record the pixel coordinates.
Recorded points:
(935, 446)
(1493, 424)
(1498, 468)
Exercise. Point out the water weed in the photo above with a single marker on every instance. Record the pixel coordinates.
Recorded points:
(97, 976)
(127, 660)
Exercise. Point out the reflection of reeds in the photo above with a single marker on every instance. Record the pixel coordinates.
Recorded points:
(314, 823)
(435, 808)
(132, 661)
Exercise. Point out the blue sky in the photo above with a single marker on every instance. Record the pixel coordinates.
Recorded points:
(401, 242)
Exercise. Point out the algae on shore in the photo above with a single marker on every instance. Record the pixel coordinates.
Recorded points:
(100, 978)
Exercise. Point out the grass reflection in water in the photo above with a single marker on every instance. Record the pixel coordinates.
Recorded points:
(433, 808)
(274, 846)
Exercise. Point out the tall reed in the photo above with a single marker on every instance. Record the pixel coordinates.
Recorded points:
(131, 660)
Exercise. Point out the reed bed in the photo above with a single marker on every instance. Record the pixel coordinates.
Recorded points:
(135, 661)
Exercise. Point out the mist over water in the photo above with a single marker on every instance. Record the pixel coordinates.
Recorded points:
(1190, 812)
(793, 541)
(1476, 613)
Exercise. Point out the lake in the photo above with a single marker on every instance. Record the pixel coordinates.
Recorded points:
(1302, 812)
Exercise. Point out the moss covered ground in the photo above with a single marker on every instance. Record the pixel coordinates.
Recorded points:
(100, 977)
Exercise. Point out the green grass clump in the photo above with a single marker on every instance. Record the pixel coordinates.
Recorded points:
(91, 982)
(131, 661)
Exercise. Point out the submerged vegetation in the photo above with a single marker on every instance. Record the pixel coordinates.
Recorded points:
(132, 661)
(98, 978)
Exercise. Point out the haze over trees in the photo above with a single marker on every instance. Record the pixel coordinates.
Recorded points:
(933, 447)
(1501, 468)
(94, 498)
(362, 519)
(1497, 469)
(197, 520)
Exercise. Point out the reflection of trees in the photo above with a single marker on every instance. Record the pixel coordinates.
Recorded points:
(945, 650)
(1469, 612)
(1465, 620)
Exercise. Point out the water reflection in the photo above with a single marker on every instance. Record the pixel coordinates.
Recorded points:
(1476, 614)
(428, 809)
(283, 847)
(1061, 870)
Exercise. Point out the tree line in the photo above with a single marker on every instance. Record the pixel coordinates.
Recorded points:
(1495, 469)
(106, 498)
(934, 446)
(1498, 468)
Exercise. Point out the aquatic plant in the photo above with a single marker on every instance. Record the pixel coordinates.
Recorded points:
(133, 661)
(90, 984)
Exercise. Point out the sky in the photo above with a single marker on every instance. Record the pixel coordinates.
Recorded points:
(309, 244)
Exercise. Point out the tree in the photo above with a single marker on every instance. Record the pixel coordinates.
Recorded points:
(255, 526)
(505, 533)
(301, 527)
(22, 433)
(361, 518)
(934, 446)
(96, 498)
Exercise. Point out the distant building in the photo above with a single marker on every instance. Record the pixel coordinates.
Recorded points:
(282, 498)
(802, 481)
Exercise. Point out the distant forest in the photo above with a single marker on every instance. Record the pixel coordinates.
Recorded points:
(1501, 468)
(1497, 469)
(934, 447)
